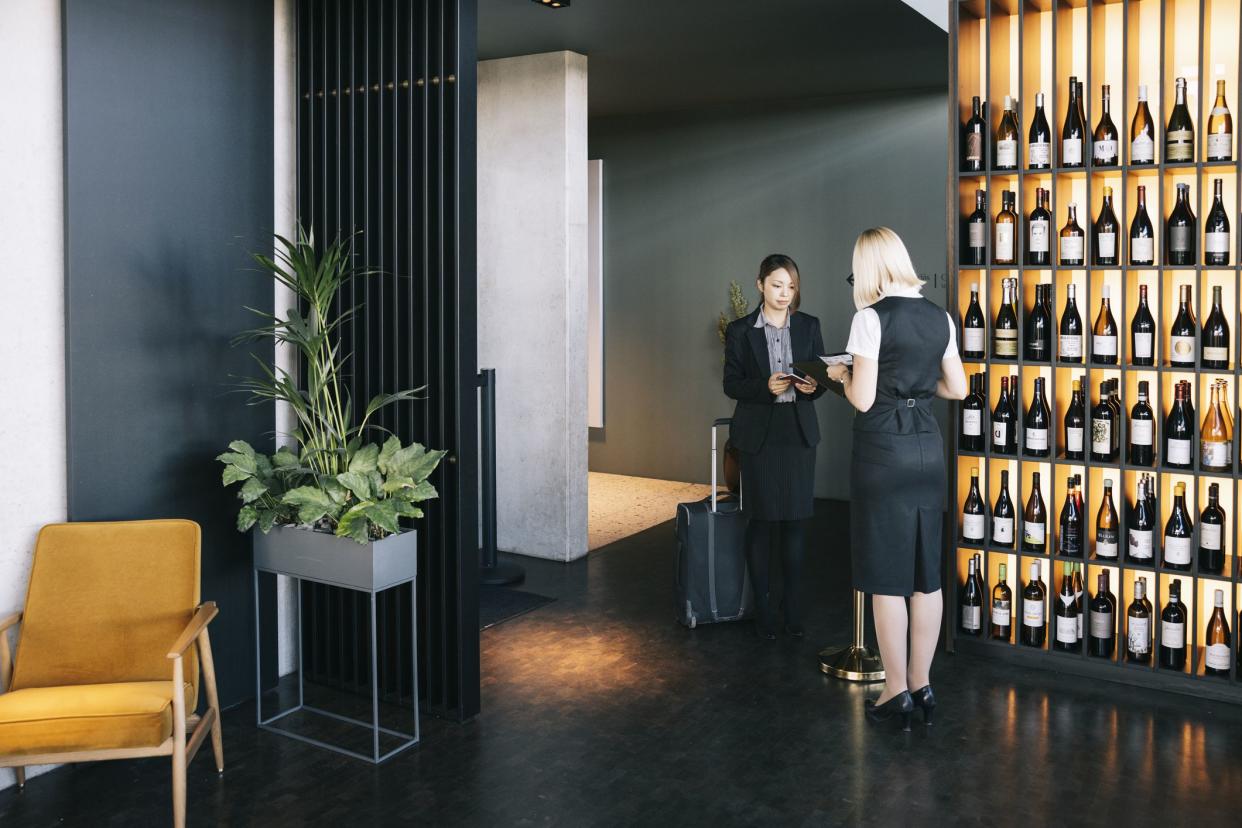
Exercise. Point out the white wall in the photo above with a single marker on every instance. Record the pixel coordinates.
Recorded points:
(532, 248)
(32, 406)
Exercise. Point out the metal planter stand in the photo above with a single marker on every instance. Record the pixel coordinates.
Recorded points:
(321, 558)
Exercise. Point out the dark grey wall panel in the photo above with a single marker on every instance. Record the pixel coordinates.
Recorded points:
(168, 186)
(692, 201)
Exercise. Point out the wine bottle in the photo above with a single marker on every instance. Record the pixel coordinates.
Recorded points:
(978, 556)
(1212, 534)
(1173, 629)
(1141, 532)
(1188, 394)
(1178, 432)
(1039, 231)
(1074, 132)
(977, 232)
(1035, 520)
(1039, 140)
(1216, 230)
(1104, 334)
(1102, 425)
(1178, 531)
(1214, 439)
(974, 513)
(1002, 607)
(1184, 333)
(1104, 145)
(1071, 329)
(1180, 241)
(1215, 353)
(970, 437)
(1142, 449)
(1069, 542)
(1073, 241)
(973, 138)
(1082, 512)
(1075, 422)
(1179, 136)
(1138, 625)
(1065, 612)
(1006, 223)
(1114, 401)
(1005, 331)
(971, 605)
(1142, 332)
(1003, 515)
(1036, 429)
(1216, 659)
(1004, 423)
(1107, 526)
(1007, 139)
(1142, 234)
(1078, 602)
(1038, 344)
(1102, 624)
(973, 326)
(1142, 132)
(1034, 598)
(1104, 233)
(1220, 127)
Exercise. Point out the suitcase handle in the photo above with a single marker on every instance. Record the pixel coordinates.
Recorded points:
(722, 421)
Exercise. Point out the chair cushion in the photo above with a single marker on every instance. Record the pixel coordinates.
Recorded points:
(40, 720)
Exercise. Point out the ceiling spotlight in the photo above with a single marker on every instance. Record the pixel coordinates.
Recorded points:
(553, 4)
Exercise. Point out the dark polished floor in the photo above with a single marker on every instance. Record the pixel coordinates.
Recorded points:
(599, 710)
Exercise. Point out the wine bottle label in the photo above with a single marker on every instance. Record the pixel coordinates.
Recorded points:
(1182, 350)
(1007, 153)
(1101, 624)
(1179, 239)
(1220, 145)
(1141, 432)
(1218, 656)
(1140, 635)
(1078, 621)
(971, 618)
(1040, 229)
(1000, 434)
(1007, 342)
(972, 422)
(1104, 345)
(972, 339)
(1173, 634)
(1142, 346)
(1067, 630)
(1214, 354)
(1142, 149)
(1106, 245)
(1106, 544)
(1002, 529)
(1036, 439)
(1101, 436)
(977, 233)
(1215, 242)
(1071, 248)
(1105, 151)
(974, 146)
(1033, 533)
(973, 527)
(1141, 543)
(1209, 536)
(1032, 613)
(1071, 346)
(1071, 151)
(1176, 550)
(1215, 455)
(1073, 439)
(1069, 540)
(1179, 145)
(1004, 242)
(1000, 612)
(1041, 153)
(1179, 452)
(1142, 250)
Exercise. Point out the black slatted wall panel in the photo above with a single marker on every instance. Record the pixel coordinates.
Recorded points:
(386, 148)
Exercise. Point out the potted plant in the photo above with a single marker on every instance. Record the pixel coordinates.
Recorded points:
(330, 506)
(739, 307)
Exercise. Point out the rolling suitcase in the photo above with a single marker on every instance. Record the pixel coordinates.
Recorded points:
(711, 581)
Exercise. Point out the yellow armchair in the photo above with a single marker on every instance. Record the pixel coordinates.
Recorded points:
(109, 650)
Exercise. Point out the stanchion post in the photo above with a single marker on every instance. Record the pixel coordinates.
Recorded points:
(856, 662)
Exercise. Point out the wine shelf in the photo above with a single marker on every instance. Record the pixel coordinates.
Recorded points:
(1018, 48)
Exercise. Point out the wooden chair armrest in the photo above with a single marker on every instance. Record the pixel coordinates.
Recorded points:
(207, 611)
(9, 620)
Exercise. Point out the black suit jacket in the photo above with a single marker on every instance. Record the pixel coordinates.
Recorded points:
(746, 373)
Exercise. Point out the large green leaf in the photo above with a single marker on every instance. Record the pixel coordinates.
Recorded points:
(246, 518)
(335, 490)
(407, 509)
(404, 488)
(383, 514)
(312, 503)
(365, 459)
(267, 519)
(356, 482)
(232, 474)
(252, 490)
(414, 462)
(285, 459)
(354, 524)
(391, 446)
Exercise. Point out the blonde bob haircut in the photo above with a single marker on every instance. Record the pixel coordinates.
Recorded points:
(881, 263)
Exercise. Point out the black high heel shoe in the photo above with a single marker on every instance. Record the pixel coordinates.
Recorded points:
(795, 630)
(926, 699)
(900, 704)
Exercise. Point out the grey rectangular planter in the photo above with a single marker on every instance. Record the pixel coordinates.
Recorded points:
(328, 559)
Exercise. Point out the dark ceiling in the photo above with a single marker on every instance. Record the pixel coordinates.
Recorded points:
(668, 55)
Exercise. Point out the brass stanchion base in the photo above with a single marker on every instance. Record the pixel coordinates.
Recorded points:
(852, 663)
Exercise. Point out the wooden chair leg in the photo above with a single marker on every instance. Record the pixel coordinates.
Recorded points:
(213, 701)
(178, 757)
(21, 776)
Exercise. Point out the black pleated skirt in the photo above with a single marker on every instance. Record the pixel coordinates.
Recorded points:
(778, 481)
(897, 501)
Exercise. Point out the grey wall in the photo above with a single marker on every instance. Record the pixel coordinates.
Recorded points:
(168, 185)
(692, 201)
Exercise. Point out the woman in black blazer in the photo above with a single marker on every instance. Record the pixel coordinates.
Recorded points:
(775, 431)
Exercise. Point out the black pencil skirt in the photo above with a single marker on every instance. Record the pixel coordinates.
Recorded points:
(778, 481)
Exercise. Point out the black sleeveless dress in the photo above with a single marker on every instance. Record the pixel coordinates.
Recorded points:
(897, 475)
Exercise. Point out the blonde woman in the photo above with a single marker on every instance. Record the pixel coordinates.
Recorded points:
(905, 354)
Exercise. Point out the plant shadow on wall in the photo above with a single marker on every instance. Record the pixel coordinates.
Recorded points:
(336, 481)
(739, 307)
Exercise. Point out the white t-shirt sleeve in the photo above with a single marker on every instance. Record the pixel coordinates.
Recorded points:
(950, 349)
(864, 338)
